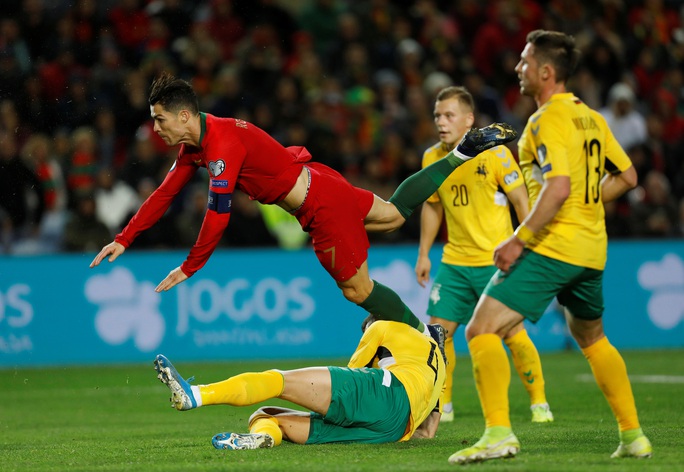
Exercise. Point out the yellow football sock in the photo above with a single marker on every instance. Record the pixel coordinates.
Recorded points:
(492, 374)
(268, 425)
(610, 373)
(244, 389)
(528, 365)
(451, 363)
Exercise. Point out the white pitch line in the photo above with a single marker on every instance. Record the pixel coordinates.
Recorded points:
(654, 379)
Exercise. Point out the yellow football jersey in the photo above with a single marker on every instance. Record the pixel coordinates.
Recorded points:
(416, 362)
(567, 138)
(476, 210)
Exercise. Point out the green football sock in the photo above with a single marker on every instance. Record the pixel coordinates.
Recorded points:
(417, 188)
(385, 304)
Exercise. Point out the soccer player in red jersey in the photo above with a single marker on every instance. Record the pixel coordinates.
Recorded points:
(239, 155)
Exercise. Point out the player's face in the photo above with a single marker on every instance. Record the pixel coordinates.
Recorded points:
(528, 70)
(167, 125)
(452, 119)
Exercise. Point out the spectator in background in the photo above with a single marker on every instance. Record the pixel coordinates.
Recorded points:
(654, 211)
(189, 221)
(144, 162)
(224, 26)
(14, 45)
(84, 232)
(22, 201)
(321, 19)
(11, 122)
(283, 227)
(115, 200)
(39, 156)
(249, 225)
(626, 122)
(37, 28)
(82, 165)
(77, 107)
(108, 76)
(228, 97)
(130, 25)
(33, 108)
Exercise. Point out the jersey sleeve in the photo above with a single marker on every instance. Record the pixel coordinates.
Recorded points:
(507, 171)
(368, 346)
(158, 202)
(223, 174)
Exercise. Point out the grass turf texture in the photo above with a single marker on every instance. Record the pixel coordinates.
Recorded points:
(114, 418)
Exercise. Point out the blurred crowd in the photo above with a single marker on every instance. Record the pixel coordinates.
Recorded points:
(353, 81)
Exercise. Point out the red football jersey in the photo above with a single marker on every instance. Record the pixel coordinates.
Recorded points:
(237, 154)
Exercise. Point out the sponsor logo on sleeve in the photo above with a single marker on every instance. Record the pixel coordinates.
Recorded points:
(541, 154)
(512, 177)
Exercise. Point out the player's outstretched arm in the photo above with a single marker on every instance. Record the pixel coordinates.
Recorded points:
(175, 277)
(113, 250)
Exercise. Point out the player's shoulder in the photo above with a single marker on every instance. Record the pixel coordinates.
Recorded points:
(497, 153)
(598, 118)
(433, 153)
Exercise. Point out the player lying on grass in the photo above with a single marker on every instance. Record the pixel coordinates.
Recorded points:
(388, 392)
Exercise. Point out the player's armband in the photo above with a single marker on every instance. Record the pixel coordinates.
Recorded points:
(612, 168)
(220, 202)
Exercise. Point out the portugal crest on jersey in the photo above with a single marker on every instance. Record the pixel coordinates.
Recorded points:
(216, 168)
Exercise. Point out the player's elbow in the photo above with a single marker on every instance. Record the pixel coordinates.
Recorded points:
(559, 189)
(630, 178)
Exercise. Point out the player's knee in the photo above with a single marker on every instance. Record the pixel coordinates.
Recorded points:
(353, 295)
(395, 219)
(385, 218)
(358, 291)
(472, 330)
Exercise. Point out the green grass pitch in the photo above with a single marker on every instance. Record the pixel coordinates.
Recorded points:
(117, 418)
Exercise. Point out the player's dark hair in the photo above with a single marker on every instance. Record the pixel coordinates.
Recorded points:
(459, 93)
(557, 49)
(173, 94)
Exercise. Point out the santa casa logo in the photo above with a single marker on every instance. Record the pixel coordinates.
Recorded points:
(216, 168)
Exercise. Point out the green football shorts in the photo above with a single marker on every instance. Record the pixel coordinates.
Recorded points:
(367, 406)
(530, 285)
(456, 290)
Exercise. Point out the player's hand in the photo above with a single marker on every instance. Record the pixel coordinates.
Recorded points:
(175, 277)
(428, 428)
(507, 253)
(113, 250)
(423, 267)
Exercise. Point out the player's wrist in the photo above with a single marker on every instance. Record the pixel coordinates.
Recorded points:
(524, 233)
